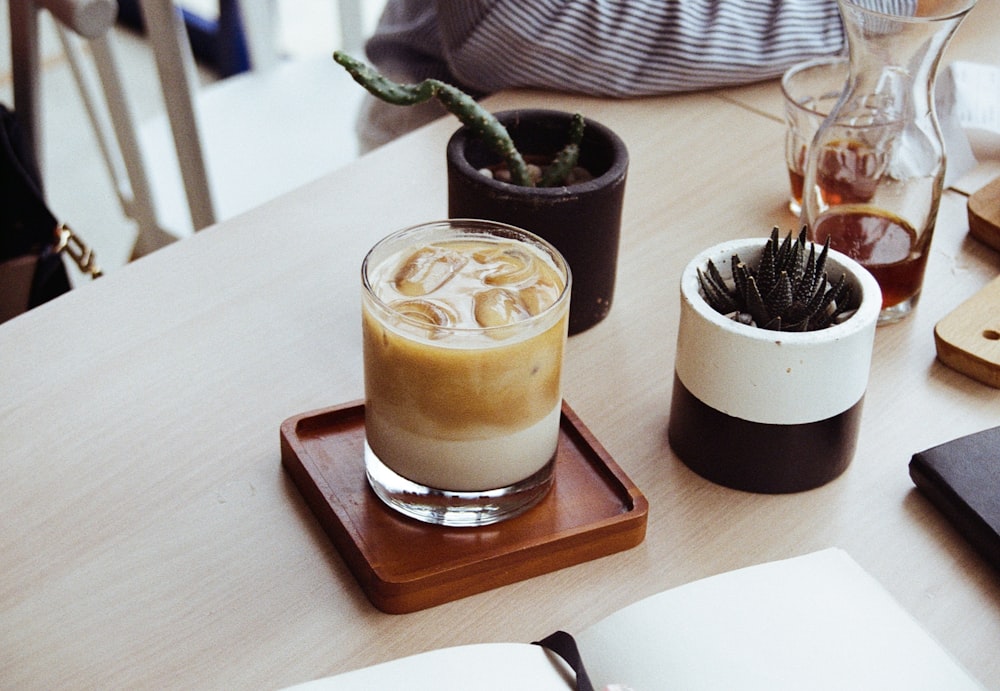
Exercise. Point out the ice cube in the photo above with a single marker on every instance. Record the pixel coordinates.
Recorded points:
(539, 297)
(498, 307)
(507, 266)
(427, 269)
(432, 313)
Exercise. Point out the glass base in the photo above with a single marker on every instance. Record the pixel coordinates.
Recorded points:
(455, 509)
(897, 312)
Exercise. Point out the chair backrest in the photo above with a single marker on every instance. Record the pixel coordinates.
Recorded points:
(88, 18)
(174, 63)
(118, 136)
(89, 22)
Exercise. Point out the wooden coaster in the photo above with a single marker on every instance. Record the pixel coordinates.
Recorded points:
(404, 565)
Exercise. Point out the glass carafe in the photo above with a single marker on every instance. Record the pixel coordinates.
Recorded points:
(876, 166)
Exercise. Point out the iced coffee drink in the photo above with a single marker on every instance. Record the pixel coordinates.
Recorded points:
(464, 326)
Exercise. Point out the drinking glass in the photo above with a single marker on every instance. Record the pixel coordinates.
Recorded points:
(464, 326)
(810, 90)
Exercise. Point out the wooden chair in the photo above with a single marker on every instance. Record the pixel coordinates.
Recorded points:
(84, 26)
(217, 150)
(252, 137)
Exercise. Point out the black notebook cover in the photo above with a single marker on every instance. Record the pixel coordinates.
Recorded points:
(962, 478)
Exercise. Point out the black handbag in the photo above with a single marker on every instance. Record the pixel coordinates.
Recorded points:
(32, 240)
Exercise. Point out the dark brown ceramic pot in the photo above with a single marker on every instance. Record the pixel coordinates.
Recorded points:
(582, 221)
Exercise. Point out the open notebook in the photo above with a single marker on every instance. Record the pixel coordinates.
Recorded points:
(813, 622)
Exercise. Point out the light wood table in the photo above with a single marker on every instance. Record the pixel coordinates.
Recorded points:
(150, 538)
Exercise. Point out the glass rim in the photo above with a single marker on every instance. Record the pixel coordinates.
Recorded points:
(473, 226)
(961, 10)
(798, 68)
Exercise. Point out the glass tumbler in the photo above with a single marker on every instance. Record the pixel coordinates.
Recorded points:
(810, 91)
(464, 325)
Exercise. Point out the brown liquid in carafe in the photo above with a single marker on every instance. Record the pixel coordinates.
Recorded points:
(885, 245)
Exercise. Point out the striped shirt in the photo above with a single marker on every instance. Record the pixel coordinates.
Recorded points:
(617, 48)
(613, 48)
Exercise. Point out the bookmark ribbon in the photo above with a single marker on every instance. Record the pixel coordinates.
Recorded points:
(564, 645)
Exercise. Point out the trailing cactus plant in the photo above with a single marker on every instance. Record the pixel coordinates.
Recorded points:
(787, 290)
(472, 114)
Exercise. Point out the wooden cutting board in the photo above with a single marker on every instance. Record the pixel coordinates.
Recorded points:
(968, 339)
(984, 215)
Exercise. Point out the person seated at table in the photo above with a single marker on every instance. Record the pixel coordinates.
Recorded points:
(610, 48)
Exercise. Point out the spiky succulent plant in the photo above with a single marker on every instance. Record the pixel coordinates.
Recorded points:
(473, 115)
(787, 290)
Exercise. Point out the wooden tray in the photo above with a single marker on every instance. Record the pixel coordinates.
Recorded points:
(403, 565)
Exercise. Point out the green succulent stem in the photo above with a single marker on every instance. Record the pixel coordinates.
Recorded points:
(482, 122)
(564, 162)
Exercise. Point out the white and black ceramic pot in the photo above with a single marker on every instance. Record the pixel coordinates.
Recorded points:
(769, 411)
(582, 220)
